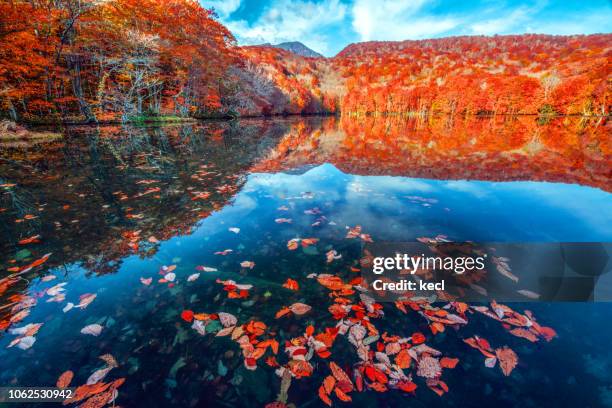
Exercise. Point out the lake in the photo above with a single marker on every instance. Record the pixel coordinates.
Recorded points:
(132, 214)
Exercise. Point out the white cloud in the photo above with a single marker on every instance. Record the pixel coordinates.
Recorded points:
(500, 25)
(223, 7)
(509, 21)
(533, 19)
(396, 20)
(325, 25)
(286, 20)
(576, 24)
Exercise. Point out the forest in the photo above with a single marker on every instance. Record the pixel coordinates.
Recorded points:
(130, 60)
(108, 60)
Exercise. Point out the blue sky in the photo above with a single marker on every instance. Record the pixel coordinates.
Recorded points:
(327, 26)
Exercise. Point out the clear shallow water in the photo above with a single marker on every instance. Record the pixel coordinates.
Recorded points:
(92, 199)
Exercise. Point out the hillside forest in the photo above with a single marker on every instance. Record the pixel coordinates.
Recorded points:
(125, 60)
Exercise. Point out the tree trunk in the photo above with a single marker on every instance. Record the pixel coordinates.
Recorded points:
(77, 89)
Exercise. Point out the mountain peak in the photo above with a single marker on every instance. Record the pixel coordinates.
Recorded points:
(298, 48)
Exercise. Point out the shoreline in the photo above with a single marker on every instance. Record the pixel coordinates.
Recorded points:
(228, 118)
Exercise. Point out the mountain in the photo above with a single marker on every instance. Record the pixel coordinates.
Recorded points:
(298, 48)
(470, 75)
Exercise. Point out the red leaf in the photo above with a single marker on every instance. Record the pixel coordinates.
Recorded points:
(187, 315)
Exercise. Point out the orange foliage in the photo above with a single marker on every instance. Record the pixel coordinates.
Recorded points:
(118, 59)
(501, 74)
(94, 60)
(514, 74)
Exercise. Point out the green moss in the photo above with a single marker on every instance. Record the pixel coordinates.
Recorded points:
(545, 114)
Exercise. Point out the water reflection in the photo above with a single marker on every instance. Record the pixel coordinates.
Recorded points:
(569, 150)
(93, 190)
(114, 204)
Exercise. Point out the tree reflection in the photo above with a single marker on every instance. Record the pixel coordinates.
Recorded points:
(502, 148)
(102, 194)
(99, 186)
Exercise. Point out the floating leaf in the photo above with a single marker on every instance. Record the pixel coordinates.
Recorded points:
(293, 244)
(299, 308)
(193, 277)
(429, 367)
(225, 331)
(529, 294)
(291, 284)
(283, 220)
(403, 359)
(64, 379)
(98, 375)
(447, 362)
(507, 359)
(92, 329)
(85, 300)
(339, 374)
(524, 333)
(490, 362)
(23, 343)
(328, 383)
(227, 319)
(109, 360)
(324, 396)
(187, 315)
(206, 268)
(285, 310)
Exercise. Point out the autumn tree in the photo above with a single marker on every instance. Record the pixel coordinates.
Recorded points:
(93, 59)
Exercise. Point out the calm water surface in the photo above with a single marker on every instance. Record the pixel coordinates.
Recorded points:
(113, 205)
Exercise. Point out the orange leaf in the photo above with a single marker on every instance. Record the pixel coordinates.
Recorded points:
(342, 396)
(271, 361)
(339, 373)
(329, 384)
(324, 397)
(403, 359)
(291, 284)
(447, 362)
(285, 310)
(376, 386)
(436, 327)
(418, 338)
(524, 333)
(64, 380)
(507, 359)
(407, 386)
(274, 346)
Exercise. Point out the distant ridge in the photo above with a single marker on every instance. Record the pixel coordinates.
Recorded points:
(298, 48)
(531, 74)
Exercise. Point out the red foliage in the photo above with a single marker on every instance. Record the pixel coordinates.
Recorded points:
(125, 58)
(95, 60)
(468, 75)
